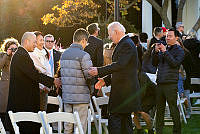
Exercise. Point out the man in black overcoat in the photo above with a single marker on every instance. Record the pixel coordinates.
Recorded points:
(122, 75)
(95, 46)
(24, 92)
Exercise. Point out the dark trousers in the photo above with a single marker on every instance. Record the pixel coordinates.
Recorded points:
(167, 92)
(120, 123)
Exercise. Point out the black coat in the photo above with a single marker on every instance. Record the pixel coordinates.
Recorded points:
(187, 65)
(125, 87)
(95, 49)
(154, 40)
(168, 64)
(193, 45)
(24, 92)
(147, 62)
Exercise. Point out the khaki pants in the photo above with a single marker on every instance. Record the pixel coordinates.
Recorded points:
(82, 110)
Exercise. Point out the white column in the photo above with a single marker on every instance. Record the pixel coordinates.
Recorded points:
(190, 14)
(147, 18)
(198, 14)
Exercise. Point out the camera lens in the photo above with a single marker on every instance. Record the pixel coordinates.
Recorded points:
(13, 49)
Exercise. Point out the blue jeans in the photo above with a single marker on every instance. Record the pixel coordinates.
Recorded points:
(180, 84)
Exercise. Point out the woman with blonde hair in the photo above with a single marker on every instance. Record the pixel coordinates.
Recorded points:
(9, 47)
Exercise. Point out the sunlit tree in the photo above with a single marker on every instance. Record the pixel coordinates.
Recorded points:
(73, 12)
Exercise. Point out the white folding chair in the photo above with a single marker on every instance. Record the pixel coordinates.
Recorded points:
(195, 110)
(101, 122)
(105, 90)
(57, 101)
(26, 116)
(180, 104)
(62, 117)
(91, 118)
(2, 130)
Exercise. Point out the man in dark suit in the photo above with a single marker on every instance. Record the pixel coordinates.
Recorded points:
(54, 57)
(24, 92)
(122, 75)
(95, 46)
(157, 36)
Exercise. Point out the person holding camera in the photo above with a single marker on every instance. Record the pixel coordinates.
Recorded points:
(168, 60)
(9, 47)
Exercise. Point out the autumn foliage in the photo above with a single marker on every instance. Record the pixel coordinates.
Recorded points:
(71, 12)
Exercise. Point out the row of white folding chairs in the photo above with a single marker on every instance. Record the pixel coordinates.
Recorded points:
(57, 101)
(195, 110)
(45, 120)
(99, 122)
(96, 116)
(51, 100)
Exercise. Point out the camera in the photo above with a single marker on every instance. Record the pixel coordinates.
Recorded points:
(13, 49)
(158, 44)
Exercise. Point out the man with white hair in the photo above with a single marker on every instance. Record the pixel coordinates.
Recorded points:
(180, 28)
(24, 92)
(122, 75)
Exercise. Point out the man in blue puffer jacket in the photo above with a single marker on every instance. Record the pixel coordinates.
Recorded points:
(168, 60)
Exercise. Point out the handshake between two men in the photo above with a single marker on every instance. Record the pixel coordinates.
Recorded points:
(94, 72)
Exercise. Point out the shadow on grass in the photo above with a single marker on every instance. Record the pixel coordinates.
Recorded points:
(192, 127)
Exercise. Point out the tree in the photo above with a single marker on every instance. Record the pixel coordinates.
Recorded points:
(162, 11)
(76, 13)
(72, 12)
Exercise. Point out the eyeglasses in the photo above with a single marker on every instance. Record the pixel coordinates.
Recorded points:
(49, 41)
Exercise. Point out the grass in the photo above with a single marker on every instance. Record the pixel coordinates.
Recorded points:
(192, 127)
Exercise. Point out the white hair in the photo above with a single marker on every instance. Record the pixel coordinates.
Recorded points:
(27, 35)
(116, 26)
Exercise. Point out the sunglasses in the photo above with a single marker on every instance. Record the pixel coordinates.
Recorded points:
(49, 41)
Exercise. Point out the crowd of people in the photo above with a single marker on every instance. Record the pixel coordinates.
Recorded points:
(143, 74)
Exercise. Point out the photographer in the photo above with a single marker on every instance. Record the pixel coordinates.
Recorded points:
(9, 47)
(168, 60)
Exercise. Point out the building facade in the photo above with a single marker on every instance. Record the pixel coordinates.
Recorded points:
(191, 13)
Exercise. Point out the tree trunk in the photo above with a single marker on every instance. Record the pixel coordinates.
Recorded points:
(180, 10)
(161, 11)
(166, 21)
(197, 25)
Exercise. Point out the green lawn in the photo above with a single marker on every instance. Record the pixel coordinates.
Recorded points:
(192, 127)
